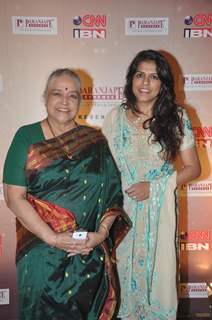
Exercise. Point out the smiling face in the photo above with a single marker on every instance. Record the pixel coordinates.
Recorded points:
(62, 100)
(146, 84)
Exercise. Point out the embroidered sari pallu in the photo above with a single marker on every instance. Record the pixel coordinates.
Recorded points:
(78, 191)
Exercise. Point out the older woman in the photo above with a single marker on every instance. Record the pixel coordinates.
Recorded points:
(145, 134)
(60, 177)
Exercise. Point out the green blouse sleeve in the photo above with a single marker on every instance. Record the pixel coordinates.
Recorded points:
(14, 166)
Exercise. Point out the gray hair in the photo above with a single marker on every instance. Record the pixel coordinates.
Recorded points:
(63, 72)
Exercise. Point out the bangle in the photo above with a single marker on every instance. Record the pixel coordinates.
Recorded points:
(105, 228)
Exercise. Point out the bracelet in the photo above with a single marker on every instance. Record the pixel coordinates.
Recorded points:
(105, 228)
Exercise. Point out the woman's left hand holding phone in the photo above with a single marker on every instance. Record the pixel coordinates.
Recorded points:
(84, 247)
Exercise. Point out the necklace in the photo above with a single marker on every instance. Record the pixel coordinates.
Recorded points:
(58, 139)
(139, 118)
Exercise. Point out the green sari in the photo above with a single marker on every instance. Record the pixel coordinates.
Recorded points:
(78, 191)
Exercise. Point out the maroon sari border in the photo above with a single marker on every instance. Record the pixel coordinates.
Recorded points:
(67, 145)
(58, 218)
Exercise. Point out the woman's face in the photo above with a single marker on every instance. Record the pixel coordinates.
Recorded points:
(62, 100)
(146, 84)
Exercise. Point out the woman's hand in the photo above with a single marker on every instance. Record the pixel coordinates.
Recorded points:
(85, 246)
(139, 191)
(66, 242)
(95, 238)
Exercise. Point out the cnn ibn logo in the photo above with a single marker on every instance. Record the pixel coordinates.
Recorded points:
(201, 29)
(91, 27)
(195, 240)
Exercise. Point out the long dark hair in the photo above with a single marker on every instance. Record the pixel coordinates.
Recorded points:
(166, 121)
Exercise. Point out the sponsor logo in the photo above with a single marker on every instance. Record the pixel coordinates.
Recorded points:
(198, 82)
(91, 116)
(199, 20)
(90, 26)
(203, 137)
(193, 290)
(198, 33)
(201, 26)
(193, 246)
(102, 93)
(146, 26)
(200, 189)
(34, 25)
(204, 143)
(4, 296)
(197, 235)
(98, 101)
(195, 240)
(95, 118)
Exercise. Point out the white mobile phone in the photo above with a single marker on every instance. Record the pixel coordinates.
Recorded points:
(79, 235)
